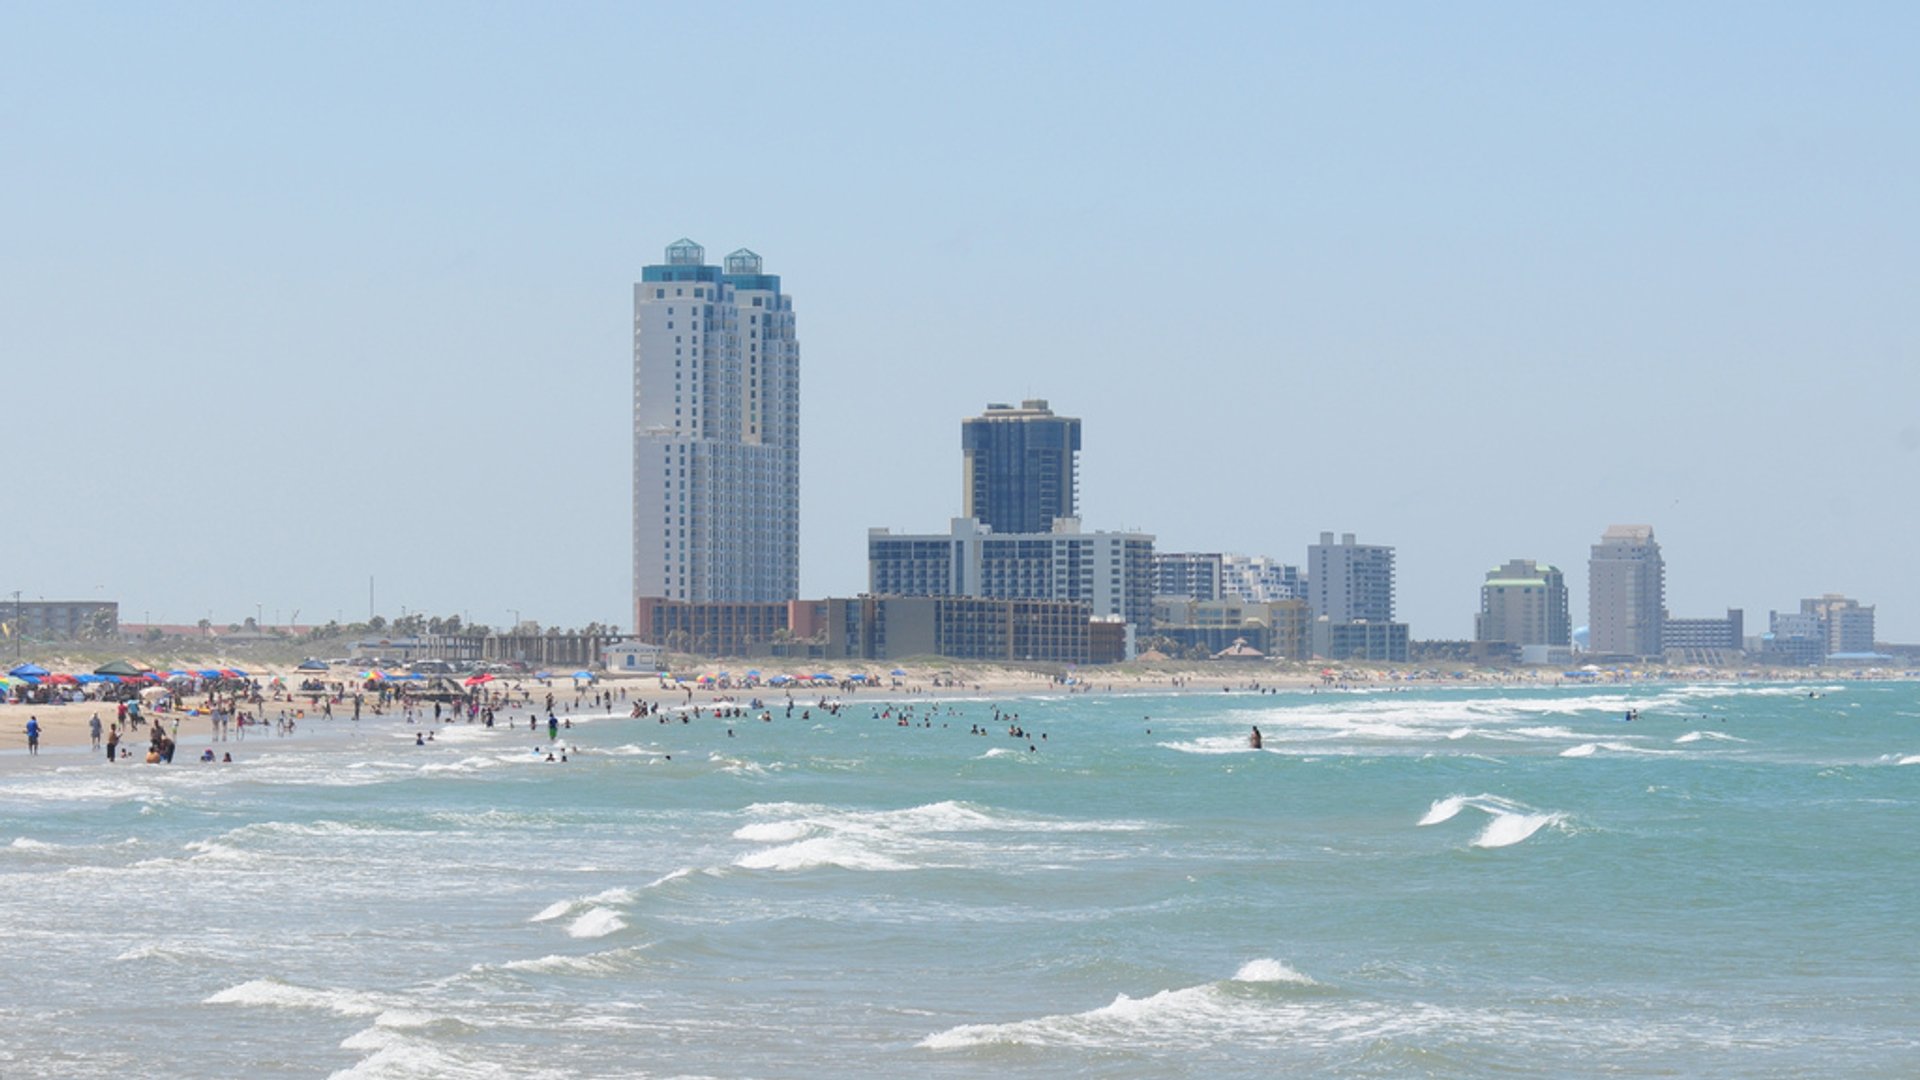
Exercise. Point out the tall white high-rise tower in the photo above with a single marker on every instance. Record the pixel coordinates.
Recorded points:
(716, 431)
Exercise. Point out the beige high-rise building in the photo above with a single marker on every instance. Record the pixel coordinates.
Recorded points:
(1523, 603)
(1626, 592)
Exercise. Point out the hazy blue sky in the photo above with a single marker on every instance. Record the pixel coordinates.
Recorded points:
(295, 294)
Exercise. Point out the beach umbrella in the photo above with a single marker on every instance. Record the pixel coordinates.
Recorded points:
(856, 678)
(234, 673)
(34, 671)
(92, 678)
(209, 673)
(62, 680)
(543, 674)
(485, 677)
(312, 665)
(824, 676)
(583, 674)
(899, 671)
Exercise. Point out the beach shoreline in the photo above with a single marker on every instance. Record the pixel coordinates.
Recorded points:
(66, 738)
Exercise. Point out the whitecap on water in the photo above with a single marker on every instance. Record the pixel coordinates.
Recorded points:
(1509, 829)
(596, 922)
(1718, 736)
(273, 993)
(819, 852)
(1189, 1016)
(1509, 822)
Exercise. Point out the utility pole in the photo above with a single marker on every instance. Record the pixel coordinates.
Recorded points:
(18, 629)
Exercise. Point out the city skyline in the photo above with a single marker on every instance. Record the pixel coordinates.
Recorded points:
(1498, 280)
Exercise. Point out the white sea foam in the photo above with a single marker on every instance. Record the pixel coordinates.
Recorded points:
(400, 1055)
(1509, 822)
(818, 852)
(1592, 748)
(609, 962)
(1444, 809)
(596, 922)
(671, 876)
(273, 993)
(1717, 736)
(772, 832)
(553, 911)
(1507, 829)
(1910, 759)
(27, 843)
(1193, 1015)
(1267, 970)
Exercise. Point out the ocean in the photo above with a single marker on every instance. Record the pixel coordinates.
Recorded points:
(1459, 882)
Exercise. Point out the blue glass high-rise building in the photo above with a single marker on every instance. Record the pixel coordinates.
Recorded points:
(1021, 467)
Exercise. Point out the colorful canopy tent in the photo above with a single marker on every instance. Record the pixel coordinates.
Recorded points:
(34, 671)
(122, 667)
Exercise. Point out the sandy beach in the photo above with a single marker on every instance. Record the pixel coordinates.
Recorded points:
(65, 727)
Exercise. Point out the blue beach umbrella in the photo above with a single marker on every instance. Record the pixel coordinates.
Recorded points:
(583, 674)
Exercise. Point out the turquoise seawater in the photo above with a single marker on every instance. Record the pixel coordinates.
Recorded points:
(1453, 883)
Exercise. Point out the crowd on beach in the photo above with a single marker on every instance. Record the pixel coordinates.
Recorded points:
(234, 705)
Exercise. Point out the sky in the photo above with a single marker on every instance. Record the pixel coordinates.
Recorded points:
(296, 296)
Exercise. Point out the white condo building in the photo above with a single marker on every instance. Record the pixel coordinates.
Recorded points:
(716, 431)
(1111, 571)
(1350, 582)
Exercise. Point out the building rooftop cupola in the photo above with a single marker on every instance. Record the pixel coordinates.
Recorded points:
(743, 261)
(684, 252)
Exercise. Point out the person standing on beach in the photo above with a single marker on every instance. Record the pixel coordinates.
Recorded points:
(93, 729)
(33, 735)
